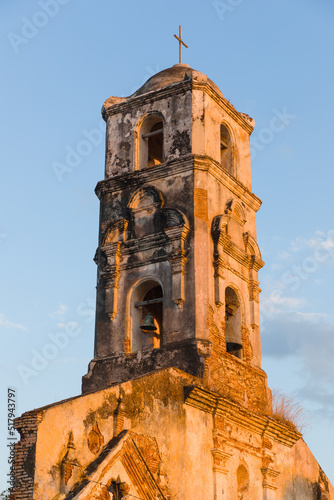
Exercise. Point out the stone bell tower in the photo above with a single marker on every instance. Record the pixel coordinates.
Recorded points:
(175, 404)
(177, 257)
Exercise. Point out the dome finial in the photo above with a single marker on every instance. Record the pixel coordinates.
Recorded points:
(181, 42)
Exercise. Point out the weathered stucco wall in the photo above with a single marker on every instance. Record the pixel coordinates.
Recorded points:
(203, 443)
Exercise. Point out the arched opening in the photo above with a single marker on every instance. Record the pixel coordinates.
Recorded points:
(151, 142)
(232, 323)
(146, 316)
(243, 483)
(226, 153)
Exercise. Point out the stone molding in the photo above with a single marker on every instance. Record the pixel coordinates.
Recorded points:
(251, 246)
(223, 241)
(169, 168)
(140, 457)
(223, 245)
(261, 424)
(127, 104)
(234, 210)
(269, 478)
(227, 106)
(206, 163)
(167, 235)
(187, 356)
(145, 244)
(138, 178)
(139, 101)
(220, 459)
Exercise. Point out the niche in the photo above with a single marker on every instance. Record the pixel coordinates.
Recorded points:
(243, 483)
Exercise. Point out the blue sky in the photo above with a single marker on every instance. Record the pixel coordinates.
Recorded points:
(61, 59)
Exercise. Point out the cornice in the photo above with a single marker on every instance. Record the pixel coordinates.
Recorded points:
(223, 103)
(188, 163)
(139, 101)
(242, 446)
(213, 167)
(261, 424)
(125, 104)
(137, 178)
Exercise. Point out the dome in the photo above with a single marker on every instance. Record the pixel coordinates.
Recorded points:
(175, 74)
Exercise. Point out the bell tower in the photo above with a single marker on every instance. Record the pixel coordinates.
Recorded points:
(175, 404)
(177, 258)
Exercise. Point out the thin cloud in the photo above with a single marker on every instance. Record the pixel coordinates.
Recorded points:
(308, 338)
(69, 324)
(5, 323)
(61, 311)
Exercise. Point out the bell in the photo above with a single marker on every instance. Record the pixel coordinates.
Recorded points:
(148, 323)
(233, 341)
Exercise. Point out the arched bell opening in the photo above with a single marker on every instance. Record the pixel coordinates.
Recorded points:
(151, 137)
(233, 323)
(226, 149)
(146, 312)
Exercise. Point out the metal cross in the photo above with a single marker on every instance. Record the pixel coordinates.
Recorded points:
(181, 42)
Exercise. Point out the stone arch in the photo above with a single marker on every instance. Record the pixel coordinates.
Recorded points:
(227, 148)
(144, 197)
(235, 209)
(251, 246)
(173, 217)
(240, 298)
(235, 218)
(116, 232)
(146, 295)
(149, 140)
(145, 212)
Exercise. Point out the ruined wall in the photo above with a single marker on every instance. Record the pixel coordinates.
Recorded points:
(25, 454)
(234, 378)
(197, 445)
